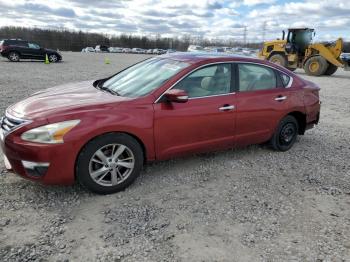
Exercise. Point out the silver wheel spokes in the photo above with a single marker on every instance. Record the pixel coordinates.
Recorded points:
(14, 57)
(53, 58)
(111, 164)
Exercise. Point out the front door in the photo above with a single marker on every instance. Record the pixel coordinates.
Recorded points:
(205, 122)
(35, 52)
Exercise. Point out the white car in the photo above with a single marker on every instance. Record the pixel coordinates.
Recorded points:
(89, 49)
(195, 48)
(126, 50)
(137, 50)
(115, 50)
(158, 51)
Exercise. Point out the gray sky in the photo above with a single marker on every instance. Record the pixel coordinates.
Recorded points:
(212, 18)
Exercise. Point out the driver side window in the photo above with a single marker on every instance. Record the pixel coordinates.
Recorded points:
(208, 81)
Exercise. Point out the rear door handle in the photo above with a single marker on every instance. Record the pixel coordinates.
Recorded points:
(226, 108)
(281, 98)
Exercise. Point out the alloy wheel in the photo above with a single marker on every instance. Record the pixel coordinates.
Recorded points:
(53, 58)
(111, 164)
(14, 57)
(287, 134)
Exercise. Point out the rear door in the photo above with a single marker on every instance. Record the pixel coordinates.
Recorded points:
(205, 122)
(262, 100)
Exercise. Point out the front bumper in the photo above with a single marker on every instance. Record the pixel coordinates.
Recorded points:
(48, 164)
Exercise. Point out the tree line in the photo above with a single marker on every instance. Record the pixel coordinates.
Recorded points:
(67, 40)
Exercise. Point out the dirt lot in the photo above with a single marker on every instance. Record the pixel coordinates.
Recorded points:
(250, 204)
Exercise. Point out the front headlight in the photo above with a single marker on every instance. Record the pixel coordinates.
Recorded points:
(50, 134)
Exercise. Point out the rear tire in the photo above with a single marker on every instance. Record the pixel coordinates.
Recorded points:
(315, 66)
(331, 69)
(285, 135)
(13, 56)
(278, 59)
(109, 163)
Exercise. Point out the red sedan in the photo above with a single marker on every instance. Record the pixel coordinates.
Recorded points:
(101, 133)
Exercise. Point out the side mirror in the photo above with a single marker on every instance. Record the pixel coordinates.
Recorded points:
(176, 96)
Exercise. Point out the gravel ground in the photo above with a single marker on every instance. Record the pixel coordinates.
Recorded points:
(250, 204)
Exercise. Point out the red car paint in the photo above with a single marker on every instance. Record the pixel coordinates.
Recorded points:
(164, 129)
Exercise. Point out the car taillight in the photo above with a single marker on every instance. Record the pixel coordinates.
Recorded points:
(3, 47)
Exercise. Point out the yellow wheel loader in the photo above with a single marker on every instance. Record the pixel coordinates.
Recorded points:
(298, 51)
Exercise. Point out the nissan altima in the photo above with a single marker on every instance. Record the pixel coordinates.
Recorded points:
(102, 132)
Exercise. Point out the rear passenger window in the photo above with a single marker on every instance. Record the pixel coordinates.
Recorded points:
(255, 77)
(285, 79)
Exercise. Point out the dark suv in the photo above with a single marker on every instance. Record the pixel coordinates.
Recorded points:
(16, 49)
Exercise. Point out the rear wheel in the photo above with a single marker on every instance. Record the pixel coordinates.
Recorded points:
(315, 66)
(13, 56)
(109, 163)
(278, 59)
(285, 134)
(331, 69)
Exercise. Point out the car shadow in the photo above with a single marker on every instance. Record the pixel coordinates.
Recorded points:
(28, 61)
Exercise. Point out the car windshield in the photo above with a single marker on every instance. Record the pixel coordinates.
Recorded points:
(144, 77)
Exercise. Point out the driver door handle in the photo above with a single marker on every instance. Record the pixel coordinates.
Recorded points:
(226, 108)
(281, 98)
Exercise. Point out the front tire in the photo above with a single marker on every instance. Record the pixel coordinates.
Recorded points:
(14, 56)
(53, 58)
(109, 163)
(285, 135)
(278, 59)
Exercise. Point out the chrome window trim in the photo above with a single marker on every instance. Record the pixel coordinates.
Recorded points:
(217, 63)
(191, 98)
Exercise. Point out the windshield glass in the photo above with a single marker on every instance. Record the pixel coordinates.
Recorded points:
(144, 77)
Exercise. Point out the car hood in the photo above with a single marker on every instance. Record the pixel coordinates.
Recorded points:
(50, 50)
(63, 99)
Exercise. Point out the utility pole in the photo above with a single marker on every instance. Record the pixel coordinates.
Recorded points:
(263, 31)
(245, 36)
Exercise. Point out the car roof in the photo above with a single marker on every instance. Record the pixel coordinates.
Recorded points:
(198, 57)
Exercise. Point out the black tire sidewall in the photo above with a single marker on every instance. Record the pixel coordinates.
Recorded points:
(322, 62)
(282, 59)
(331, 69)
(275, 142)
(82, 163)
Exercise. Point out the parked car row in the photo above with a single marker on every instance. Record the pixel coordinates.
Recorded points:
(231, 50)
(106, 49)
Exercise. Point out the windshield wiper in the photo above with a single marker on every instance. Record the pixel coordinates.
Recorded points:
(108, 90)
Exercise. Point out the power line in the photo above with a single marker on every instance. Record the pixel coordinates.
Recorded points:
(245, 35)
(263, 31)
